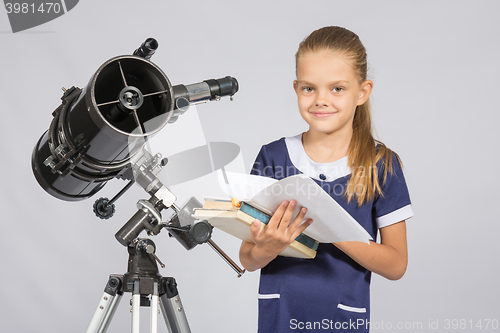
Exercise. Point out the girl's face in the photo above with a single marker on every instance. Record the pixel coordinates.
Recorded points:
(328, 91)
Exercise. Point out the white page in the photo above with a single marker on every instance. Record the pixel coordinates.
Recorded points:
(242, 186)
(331, 223)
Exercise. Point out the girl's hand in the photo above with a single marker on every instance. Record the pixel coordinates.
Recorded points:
(279, 232)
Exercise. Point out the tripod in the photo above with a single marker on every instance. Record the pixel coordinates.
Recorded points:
(142, 280)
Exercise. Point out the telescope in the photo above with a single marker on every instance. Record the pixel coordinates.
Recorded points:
(97, 130)
(100, 132)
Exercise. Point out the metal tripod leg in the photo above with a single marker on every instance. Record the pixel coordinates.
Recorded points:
(172, 309)
(153, 305)
(136, 307)
(107, 307)
(154, 308)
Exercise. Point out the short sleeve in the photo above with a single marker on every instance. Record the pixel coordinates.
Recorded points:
(263, 165)
(394, 205)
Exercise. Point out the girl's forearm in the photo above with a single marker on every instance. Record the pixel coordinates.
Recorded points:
(388, 259)
(381, 259)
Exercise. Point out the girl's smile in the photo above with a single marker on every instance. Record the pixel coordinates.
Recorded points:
(322, 115)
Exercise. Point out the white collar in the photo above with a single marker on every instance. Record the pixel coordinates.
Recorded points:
(330, 171)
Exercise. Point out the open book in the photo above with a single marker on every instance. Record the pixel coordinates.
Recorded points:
(331, 223)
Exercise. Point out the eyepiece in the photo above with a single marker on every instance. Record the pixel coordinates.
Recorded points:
(226, 86)
(147, 49)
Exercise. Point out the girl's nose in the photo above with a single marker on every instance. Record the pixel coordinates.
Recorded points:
(322, 98)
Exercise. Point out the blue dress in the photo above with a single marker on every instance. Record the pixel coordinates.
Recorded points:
(330, 292)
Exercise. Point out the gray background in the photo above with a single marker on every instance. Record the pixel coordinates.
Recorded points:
(435, 69)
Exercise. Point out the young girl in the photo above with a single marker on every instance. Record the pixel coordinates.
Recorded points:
(331, 291)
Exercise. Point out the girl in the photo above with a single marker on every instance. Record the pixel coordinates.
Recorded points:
(331, 291)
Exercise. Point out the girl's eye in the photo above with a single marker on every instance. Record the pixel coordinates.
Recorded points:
(308, 89)
(338, 89)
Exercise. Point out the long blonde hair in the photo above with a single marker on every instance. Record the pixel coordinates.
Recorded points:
(364, 151)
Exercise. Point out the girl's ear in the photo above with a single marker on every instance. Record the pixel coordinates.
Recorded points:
(295, 87)
(366, 90)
